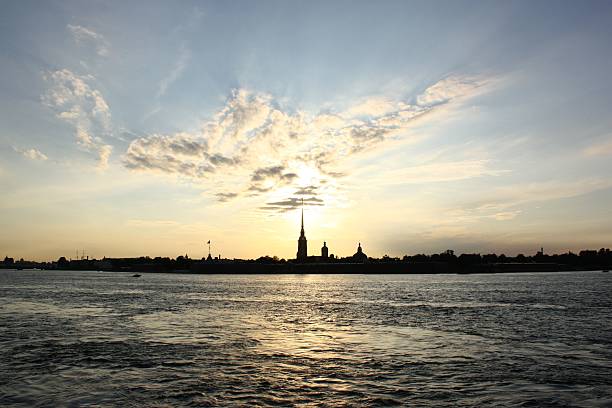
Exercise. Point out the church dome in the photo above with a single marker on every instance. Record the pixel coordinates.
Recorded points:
(359, 256)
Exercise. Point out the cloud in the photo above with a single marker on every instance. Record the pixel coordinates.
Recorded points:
(223, 197)
(267, 172)
(83, 35)
(292, 203)
(549, 190)
(504, 202)
(92, 144)
(74, 101)
(374, 107)
(434, 172)
(450, 88)
(258, 145)
(506, 215)
(175, 73)
(600, 149)
(306, 190)
(32, 154)
(182, 153)
(267, 178)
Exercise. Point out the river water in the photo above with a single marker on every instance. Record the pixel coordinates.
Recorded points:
(99, 339)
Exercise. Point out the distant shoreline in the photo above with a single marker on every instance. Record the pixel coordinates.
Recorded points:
(400, 268)
(443, 263)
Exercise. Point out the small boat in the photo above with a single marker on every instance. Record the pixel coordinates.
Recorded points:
(136, 275)
(605, 270)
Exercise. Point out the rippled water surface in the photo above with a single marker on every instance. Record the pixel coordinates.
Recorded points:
(92, 338)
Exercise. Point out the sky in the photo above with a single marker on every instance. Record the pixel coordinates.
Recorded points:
(148, 128)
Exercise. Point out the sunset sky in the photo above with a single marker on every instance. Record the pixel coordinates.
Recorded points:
(148, 128)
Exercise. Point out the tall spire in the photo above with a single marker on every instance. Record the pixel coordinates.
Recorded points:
(302, 252)
(302, 230)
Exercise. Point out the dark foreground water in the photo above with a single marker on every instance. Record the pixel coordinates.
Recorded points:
(100, 339)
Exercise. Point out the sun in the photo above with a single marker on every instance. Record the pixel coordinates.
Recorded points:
(308, 175)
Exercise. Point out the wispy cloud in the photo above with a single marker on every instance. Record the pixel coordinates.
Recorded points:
(506, 215)
(549, 190)
(84, 35)
(73, 100)
(372, 107)
(32, 154)
(176, 71)
(599, 149)
(433, 172)
(452, 216)
(451, 88)
(506, 202)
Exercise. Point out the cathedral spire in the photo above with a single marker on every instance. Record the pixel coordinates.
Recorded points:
(302, 252)
(302, 231)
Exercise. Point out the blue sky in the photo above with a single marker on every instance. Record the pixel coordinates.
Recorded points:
(130, 128)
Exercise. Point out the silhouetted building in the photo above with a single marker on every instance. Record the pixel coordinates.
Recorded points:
(103, 265)
(62, 262)
(359, 256)
(302, 252)
(324, 251)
